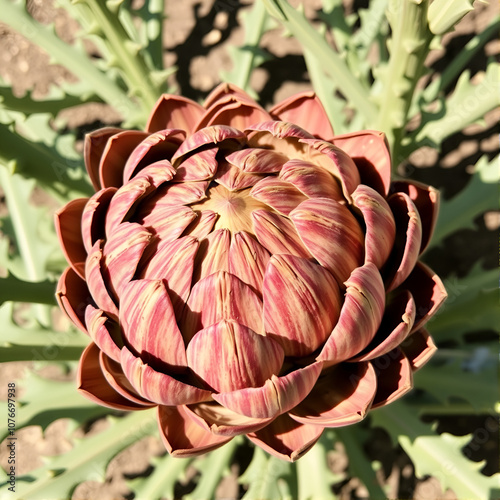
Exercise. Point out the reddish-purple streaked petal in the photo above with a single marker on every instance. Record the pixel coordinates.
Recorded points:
(121, 254)
(182, 436)
(95, 143)
(305, 110)
(95, 281)
(286, 439)
(428, 291)
(278, 395)
(156, 173)
(335, 161)
(230, 298)
(222, 91)
(183, 193)
(248, 260)
(426, 199)
(342, 396)
(67, 222)
(199, 167)
(104, 332)
(166, 222)
(279, 195)
(119, 382)
(312, 180)
(234, 112)
(396, 324)
(94, 215)
(159, 387)
(281, 130)
(213, 254)
(172, 111)
(156, 147)
(301, 304)
(332, 234)
(173, 262)
(380, 224)
(277, 234)
(360, 316)
(394, 377)
(229, 356)
(209, 135)
(235, 179)
(419, 348)
(115, 156)
(257, 161)
(370, 151)
(148, 322)
(92, 383)
(407, 243)
(203, 224)
(73, 296)
(222, 421)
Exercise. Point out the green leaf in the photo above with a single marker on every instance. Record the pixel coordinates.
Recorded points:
(14, 289)
(443, 15)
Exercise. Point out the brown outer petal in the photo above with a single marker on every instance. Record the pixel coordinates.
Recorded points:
(226, 89)
(370, 151)
(67, 222)
(94, 216)
(342, 396)
(286, 439)
(172, 111)
(73, 296)
(426, 199)
(182, 436)
(419, 348)
(96, 320)
(92, 383)
(95, 143)
(305, 110)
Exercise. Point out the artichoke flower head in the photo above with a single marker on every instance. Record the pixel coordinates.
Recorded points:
(247, 272)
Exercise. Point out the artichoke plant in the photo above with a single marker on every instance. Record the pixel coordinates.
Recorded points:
(247, 272)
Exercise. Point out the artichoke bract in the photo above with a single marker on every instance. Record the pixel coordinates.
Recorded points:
(247, 272)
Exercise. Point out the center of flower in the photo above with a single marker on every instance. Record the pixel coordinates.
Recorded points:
(234, 208)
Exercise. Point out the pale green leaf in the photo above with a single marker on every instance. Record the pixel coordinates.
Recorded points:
(443, 15)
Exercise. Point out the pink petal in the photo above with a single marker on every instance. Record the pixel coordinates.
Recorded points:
(94, 215)
(115, 156)
(380, 224)
(121, 254)
(213, 254)
(203, 224)
(278, 395)
(92, 383)
(360, 316)
(248, 260)
(73, 295)
(149, 326)
(68, 228)
(235, 179)
(394, 377)
(156, 147)
(222, 91)
(426, 199)
(212, 135)
(286, 439)
(342, 396)
(370, 151)
(257, 161)
(198, 167)
(182, 436)
(407, 243)
(279, 195)
(95, 281)
(230, 298)
(159, 387)
(223, 422)
(396, 325)
(305, 110)
(173, 262)
(312, 180)
(336, 162)
(281, 130)
(277, 234)
(104, 332)
(332, 235)
(229, 356)
(174, 194)
(95, 143)
(301, 304)
(419, 348)
(172, 111)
